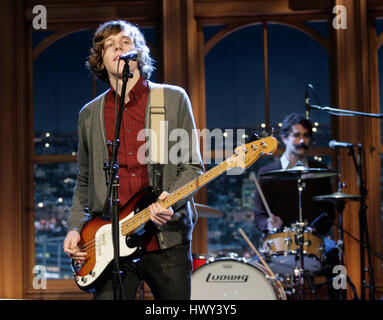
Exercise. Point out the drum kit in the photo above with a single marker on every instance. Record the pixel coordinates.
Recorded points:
(286, 260)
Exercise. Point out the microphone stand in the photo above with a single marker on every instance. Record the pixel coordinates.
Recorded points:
(342, 112)
(363, 227)
(112, 202)
(364, 237)
(363, 244)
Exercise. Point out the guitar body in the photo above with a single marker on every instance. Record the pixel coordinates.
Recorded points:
(96, 238)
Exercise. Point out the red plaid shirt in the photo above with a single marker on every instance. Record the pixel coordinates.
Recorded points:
(133, 174)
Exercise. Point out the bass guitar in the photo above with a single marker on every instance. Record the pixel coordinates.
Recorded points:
(96, 235)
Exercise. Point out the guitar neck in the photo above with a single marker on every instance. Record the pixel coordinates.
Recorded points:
(182, 192)
(244, 156)
(194, 185)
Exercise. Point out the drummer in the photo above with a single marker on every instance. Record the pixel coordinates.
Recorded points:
(282, 195)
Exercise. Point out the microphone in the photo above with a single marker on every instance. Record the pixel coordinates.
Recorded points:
(131, 55)
(337, 144)
(307, 100)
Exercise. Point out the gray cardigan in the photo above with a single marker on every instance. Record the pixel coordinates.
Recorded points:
(90, 191)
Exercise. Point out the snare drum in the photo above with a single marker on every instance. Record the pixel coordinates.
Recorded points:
(281, 251)
(234, 279)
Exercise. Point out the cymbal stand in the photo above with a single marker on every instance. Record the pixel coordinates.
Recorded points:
(299, 272)
(340, 205)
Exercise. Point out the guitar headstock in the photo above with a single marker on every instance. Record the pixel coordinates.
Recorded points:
(245, 155)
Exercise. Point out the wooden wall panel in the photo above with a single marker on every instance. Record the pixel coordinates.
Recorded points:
(11, 159)
(174, 42)
(374, 157)
(352, 92)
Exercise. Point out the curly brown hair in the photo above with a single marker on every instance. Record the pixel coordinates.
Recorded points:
(292, 119)
(95, 59)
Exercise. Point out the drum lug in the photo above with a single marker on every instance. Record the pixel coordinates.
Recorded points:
(233, 255)
(269, 244)
(288, 241)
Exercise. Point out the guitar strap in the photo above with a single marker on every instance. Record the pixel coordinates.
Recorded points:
(157, 136)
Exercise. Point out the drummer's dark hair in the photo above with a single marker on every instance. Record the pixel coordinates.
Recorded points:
(293, 119)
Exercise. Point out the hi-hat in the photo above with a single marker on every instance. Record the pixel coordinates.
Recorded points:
(205, 211)
(337, 196)
(300, 172)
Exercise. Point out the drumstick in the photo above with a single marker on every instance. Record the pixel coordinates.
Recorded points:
(263, 197)
(256, 252)
(280, 288)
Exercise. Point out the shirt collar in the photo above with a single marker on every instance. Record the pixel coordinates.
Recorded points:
(138, 90)
(286, 163)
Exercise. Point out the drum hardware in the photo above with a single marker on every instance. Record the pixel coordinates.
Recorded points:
(300, 173)
(339, 199)
(300, 228)
(234, 255)
(270, 244)
(200, 259)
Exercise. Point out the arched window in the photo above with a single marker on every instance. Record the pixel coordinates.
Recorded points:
(61, 86)
(255, 75)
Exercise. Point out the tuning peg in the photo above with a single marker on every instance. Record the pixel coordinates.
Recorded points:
(256, 135)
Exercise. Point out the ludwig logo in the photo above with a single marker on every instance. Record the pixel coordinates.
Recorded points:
(227, 277)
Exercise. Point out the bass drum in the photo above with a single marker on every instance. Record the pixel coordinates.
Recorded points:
(234, 279)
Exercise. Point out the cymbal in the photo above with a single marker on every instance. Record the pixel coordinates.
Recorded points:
(205, 211)
(337, 196)
(300, 172)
